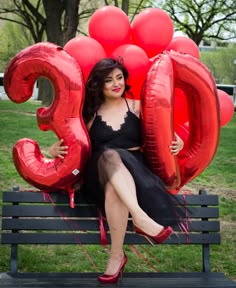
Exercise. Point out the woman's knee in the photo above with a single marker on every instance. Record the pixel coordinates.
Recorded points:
(109, 157)
(108, 163)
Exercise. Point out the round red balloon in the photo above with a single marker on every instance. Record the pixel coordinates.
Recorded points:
(137, 63)
(110, 26)
(152, 30)
(184, 45)
(226, 107)
(86, 51)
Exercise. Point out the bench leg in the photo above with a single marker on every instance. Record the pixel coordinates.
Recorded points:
(14, 267)
(206, 258)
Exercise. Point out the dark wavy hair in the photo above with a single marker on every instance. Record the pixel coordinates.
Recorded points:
(94, 86)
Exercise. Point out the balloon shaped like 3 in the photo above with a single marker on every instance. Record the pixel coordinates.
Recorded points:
(63, 117)
(196, 81)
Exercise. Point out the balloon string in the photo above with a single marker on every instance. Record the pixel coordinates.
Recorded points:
(67, 221)
(149, 253)
(103, 234)
(185, 227)
(137, 252)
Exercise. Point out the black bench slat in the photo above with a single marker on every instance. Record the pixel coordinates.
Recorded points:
(78, 224)
(94, 238)
(83, 211)
(50, 224)
(49, 211)
(37, 197)
(74, 275)
(89, 280)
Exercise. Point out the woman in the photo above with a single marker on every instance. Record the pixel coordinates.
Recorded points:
(117, 176)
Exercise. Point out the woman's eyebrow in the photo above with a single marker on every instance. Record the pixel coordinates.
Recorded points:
(117, 75)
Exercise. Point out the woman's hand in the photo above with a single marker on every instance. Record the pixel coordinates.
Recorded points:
(176, 145)
(57, 150)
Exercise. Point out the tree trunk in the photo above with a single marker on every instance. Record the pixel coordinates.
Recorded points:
(58, 35)
(125, 6)
(53, 10)
(71, 19)
(45, 91)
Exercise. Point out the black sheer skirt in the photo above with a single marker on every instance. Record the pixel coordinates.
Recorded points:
(152, 195)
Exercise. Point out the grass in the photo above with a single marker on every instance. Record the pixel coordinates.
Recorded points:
(18, 121)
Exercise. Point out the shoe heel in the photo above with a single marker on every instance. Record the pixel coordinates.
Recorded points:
(121, 274)
(114, 278)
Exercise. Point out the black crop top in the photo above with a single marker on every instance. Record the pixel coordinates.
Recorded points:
(128, 136)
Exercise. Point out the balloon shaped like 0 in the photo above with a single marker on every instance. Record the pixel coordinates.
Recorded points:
(196, 81)
(157, 120)
(63, 116)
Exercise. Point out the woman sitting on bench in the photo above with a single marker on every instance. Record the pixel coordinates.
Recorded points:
(117, 177)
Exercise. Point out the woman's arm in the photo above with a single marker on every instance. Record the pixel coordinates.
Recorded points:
(134, 106)
(89, 124)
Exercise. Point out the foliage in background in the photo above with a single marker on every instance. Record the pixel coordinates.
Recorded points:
(220, 174)
(14, 38)
(203, 19)
(220, 62)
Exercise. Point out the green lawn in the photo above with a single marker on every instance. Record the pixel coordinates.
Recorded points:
(18, 121)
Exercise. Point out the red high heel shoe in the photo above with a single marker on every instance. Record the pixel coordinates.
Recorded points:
(160, 237)
(104, 278)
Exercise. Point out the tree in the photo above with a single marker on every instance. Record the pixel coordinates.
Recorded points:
(13, 39)
(220, 62)
(26, 15)
(58, 18)
(202, 19)
(45, 17)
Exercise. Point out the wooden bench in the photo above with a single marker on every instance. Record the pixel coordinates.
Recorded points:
(28, 219)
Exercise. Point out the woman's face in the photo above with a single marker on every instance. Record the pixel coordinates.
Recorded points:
(114, 84)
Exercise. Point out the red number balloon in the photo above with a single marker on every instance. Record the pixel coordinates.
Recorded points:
(157, 120)
(196, 81)
(63, 116)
